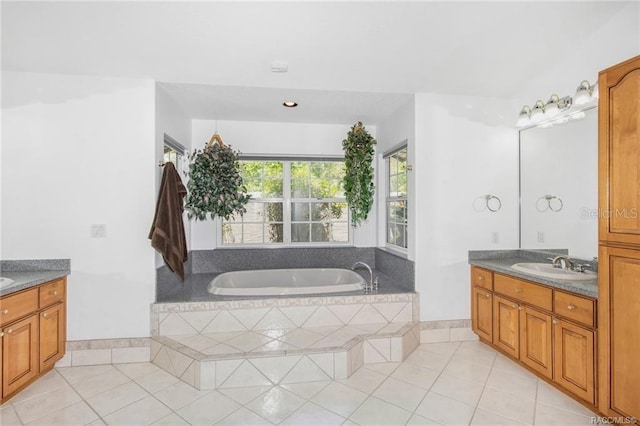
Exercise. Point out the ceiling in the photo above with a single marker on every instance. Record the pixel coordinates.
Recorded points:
(214, 58)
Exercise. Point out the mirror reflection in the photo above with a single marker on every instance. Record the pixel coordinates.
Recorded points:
(559, 186)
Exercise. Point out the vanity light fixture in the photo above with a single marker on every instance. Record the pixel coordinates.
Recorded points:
(290, 104)
(559, 110)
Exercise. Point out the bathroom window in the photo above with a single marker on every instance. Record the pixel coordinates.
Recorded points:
(292, 202)
(175, 153)
(396, 198)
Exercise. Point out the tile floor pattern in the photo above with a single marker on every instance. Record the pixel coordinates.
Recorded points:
(453, 383)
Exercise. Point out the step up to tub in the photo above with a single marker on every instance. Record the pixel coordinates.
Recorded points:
(269, 341)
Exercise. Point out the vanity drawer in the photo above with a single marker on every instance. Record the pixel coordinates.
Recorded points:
(530, 293)
(580, 309)
(481, 278)
(52, 292)
(18, 305)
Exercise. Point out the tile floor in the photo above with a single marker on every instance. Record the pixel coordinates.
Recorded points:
(455, 383)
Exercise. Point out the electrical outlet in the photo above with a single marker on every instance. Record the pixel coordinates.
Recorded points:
(495, 237)
(98, 231)
(540, 237)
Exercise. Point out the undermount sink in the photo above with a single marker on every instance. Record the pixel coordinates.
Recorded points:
(5, 282)
(547, 270)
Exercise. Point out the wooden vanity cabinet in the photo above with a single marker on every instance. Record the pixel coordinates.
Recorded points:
(548, 330)
(482, 303)
(33, 334)
(619, 234)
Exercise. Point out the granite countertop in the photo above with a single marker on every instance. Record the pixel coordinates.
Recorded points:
(194, 289)
(501, 260)
(30, 273)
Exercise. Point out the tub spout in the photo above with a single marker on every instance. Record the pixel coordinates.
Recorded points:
(368, 268)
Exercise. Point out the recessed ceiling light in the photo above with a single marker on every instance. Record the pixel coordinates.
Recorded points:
(290, 104)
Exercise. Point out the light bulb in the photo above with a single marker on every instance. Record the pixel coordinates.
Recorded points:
(523, 117)
(551, 109)
(537, 113)
(583, 93)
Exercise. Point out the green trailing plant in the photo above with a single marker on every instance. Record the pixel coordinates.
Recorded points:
(215, 184)
(358, 178)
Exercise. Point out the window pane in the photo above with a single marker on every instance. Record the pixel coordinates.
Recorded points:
(320, 212)
(231, 233)
(251, 169)
(299, 188)
(274, 212)
(273, 169)
(254, 213)
(393, 186)
(254, 187)
(299, 212)
(272, 188)
(340, 232)
(299, 232)
(393, 165)
(275, 233)
(402, 185)
(338, 211)
(252, 233)
(320, 232)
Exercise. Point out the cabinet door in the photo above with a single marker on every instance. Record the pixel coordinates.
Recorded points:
(574, 359)
(619, 331)
(619, 153)
(52, 336)
(19, 354)
(506, 325)
(482, 313)
(536, 341)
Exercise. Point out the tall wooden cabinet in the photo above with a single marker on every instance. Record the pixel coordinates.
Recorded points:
(619, 235)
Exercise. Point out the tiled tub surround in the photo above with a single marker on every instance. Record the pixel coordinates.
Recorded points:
(501, 261)
(212, 345)
(395, 274)
(32, 272)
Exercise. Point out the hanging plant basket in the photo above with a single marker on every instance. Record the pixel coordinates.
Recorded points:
(215, 186)
(359, 174)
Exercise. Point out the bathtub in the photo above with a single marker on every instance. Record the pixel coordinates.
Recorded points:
(276, 282)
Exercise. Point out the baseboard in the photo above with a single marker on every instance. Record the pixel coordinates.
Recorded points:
(106, 351)
(446, 331)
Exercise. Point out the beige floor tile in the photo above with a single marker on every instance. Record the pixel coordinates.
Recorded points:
(117, 398)
(508, 405)
(143, 412)
(46, 403)
(458, 389)
(417, 420)
(487, 418)
(425, 358)
(547, 415)
(276, 404)
(178, 395)
(79, 374)
(549, 395)
(386, 368)
(76, 414)
(245, 417)
(415, 375)
(156, 381)
(467, 370)
(374, 411)
(306, 390)
(100, 383)
(402, 394)
(248, 341)
(364, 380)
(301, 337)
(503, 363)
(514, 384)
(245, 395)
(477, 356)
(444, 348)
(312, 414)
(8, 415)
(50, 381)
(172, 420)
(136, 370)
(445, 410)
(340, 399)
(209, 409)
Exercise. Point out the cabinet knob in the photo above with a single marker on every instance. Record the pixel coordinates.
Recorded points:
(571, 307)
(488, 295)
(4, 311)
(45, 315)
(555, 321)
(1, 333)
(9, 331)
(520, 308)
(480, 278)
(54, 293)
(518, 290)
(514, 306)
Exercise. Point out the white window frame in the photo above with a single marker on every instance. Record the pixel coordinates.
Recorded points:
(389, 199)
(287, 200)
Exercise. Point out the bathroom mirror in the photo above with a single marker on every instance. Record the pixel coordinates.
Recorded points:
(559, 186)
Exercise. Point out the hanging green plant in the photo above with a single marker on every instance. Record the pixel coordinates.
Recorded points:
(215, 185)
(358, 178)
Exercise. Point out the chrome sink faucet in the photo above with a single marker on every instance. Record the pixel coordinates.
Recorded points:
(562, 262)
(368, 268)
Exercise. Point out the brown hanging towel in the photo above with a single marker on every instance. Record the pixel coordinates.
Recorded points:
(167, 232)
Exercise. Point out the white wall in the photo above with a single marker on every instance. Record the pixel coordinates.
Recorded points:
(77, 151)
(170, 119)
(395, 130)
(251, 137)
(465, 147)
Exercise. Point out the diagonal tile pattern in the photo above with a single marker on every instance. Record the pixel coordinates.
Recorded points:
(438, 384)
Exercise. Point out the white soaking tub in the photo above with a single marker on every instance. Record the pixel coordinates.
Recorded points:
(276, 282)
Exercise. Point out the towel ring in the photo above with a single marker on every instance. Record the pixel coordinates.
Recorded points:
(549, 203)
(495, 207)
